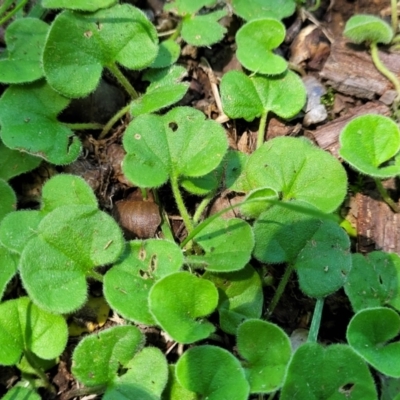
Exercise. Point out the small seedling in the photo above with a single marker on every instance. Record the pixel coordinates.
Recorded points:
(372, 30)
(370, 144)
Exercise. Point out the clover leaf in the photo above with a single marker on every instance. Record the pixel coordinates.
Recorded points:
(8, 199)
(256, 41)
(9, 265)
(174, 390)
(164, 90)
(14, 163)
(213, 373)
(333, 372)
(97, 358)
(369, 141)
(262, 196)
(227, 243)
(250, 97)
(182, 315)
(121, 34)
(361, 28)
(146, 371)
(310, 174)
(370, 333)
(179, 143)
(240, 296)
(203, 30)
(252, 9)
(127, 284)
(374, 280)
(266, 350)
(21, 62)
(318, 249)
(82, 5)
(28, 122)
(71, 241)
(27, 328)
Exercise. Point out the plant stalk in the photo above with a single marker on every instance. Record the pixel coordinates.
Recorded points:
(177, 32)
(202, 206)
(4, 6)
(181, 205)
(122, 80)
(84, 126)
(385, 195)
(107, 127)
(384, 70)
(315, 6)
(39, 372)
(13, 12)
(261, 129)
(279, 291)
(316, 321)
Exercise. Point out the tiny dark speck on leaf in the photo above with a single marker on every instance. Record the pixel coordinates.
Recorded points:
(173, 126)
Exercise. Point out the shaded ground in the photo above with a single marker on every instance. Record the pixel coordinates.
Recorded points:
(321, 52)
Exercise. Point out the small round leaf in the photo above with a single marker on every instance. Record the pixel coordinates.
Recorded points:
(213, 373)
(368, 28)
(252, 9)
(25, 327)
(256, 41)
(369, 333)
(182, 315)
(368, 141)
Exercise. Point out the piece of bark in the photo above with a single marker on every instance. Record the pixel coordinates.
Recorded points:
(349, 69)
(378, 227)
(327, 135)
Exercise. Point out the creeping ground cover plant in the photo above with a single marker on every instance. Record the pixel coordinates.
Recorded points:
(196, 309)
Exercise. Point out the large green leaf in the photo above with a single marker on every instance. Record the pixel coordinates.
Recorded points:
(25, 327)
(252, 9)
(79, 45)
(84, 5)
(21, 62)
(179, 143)
(28, 122)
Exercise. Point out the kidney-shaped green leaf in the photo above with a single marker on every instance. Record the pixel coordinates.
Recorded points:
(178, 143)
(21, 62)
(369, 332)
(183, 7)
(266, 350)
(28, 122)
(252, 9)
(182, 315)
(256, 41)
(374, 280)
(98, 357)
(297, 169)
(227, 243)
(71, 242)
(79, 45)
(249, 97)
(25, 327)
(213, 373)
(127, 284)
(369, 141)
(368, 28)
(335, 372)
(240, 296)
(9, 265)
(83, 5)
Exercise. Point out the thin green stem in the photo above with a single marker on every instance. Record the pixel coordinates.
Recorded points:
(13, 12)
(315, 6)
(38, 371)
(165, 225)
(177, 31)
(4, 6)
(122, 80)
(271, 396)
(84, 126)
(316, 321)
(395, 22)
(181, 205)
(261, 129)
(279, 291)
(95, 275)
(107, 127)
(383, 69)
(385, 195)
(202, 206)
